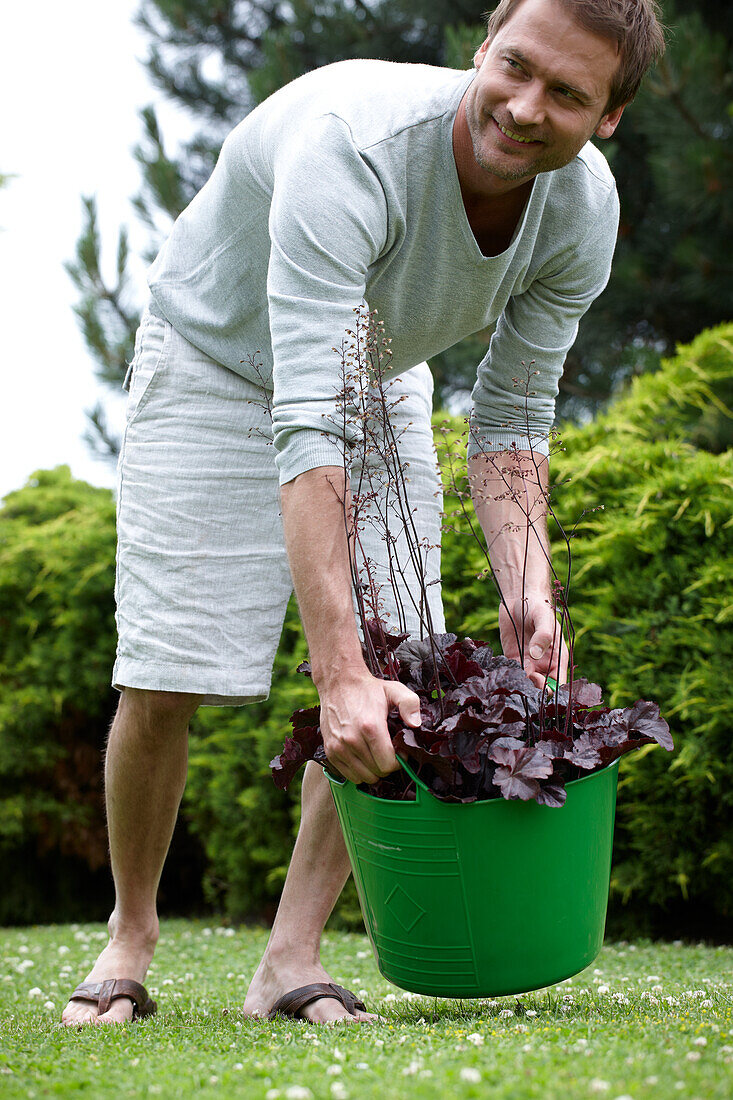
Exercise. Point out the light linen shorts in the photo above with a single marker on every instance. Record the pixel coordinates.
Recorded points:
(203, 580)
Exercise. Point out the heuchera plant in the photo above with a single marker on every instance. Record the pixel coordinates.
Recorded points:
(487, 731)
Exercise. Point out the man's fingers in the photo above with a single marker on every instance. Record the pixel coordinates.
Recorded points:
(406, 701)
(542, 644)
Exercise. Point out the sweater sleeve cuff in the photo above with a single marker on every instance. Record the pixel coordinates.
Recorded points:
(305, 449)
(487, 440)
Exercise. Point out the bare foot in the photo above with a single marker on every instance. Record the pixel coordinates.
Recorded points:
(121, 958)
(276, 977)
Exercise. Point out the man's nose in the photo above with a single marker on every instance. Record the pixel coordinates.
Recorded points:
(527, 105)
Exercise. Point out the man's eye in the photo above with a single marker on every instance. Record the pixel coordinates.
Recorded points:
(512, 63)
(566, 93)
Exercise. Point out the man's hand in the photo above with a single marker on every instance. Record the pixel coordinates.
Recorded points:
(529, 626)
(354, 709)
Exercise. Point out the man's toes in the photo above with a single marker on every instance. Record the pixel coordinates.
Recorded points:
(119, 1012)
(79, 1013)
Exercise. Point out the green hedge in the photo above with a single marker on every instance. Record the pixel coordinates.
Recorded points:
(651, 602)
(57, 640)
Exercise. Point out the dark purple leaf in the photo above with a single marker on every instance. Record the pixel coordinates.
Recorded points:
(519, 770)
(551, 794)
(554, 750)
(584, 754)
(583, 694)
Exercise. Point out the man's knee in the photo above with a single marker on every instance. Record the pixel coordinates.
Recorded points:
(159, 708)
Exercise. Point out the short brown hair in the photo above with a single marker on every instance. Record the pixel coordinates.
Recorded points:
(634, 25)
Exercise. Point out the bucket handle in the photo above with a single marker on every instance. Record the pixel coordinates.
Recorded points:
(341, 782)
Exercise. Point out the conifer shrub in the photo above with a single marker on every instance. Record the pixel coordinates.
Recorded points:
(653, 601)
(57, 643)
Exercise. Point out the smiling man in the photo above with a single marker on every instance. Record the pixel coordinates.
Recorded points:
(447, 201)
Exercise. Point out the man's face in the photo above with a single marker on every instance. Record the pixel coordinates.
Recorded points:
(540, 92)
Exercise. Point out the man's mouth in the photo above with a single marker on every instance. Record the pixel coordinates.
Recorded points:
(514, 136)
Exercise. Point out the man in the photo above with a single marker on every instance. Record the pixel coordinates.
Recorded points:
(447, 200)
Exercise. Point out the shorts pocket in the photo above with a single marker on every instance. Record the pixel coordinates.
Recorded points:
(151, 353)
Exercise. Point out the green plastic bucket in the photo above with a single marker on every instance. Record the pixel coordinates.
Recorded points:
(486, 898)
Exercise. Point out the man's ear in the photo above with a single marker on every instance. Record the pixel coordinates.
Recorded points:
(609, 122)
(478, 57)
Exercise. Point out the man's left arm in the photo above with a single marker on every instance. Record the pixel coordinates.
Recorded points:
(509, 444)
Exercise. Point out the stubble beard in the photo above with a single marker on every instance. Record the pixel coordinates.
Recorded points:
(543, 162)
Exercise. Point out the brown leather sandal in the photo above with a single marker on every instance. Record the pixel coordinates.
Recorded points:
(104, 993)
(291, 1003)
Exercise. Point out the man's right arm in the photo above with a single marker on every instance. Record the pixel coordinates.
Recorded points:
(354, 704)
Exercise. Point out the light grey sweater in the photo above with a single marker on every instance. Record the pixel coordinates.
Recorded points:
(340, 189)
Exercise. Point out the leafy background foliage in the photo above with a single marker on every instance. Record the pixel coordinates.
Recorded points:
(651, 603)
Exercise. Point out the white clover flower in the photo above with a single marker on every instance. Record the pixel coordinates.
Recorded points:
(332, 1071)
(35, 992)
(298, 1092)
(468, 1073)
(49, 1005)
(389, 997)
(362, 1065)
(476, 1038)
(491, 1004)
(63, 949)
(652, 978)
(651, 1080)
(603, 990)
(657, 988)
(701, 1041)
(408, 996)
(362, 954)
(530, 1012)
(411, 1069)
(706, 1004)
(213, 1080)
(521, 1028)
(167, 981)
(598, 1085)
(206, 932)
(693, 1056)
(339, 1054)
(272, 1094)
(338, 1091)
(671, 1001)
(527, 1048)
(506, 1013)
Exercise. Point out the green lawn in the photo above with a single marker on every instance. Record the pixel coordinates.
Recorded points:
(645, 1020)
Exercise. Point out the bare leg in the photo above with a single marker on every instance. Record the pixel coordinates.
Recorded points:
(317, 874)
(145, 773)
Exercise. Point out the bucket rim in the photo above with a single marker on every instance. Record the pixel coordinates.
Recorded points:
(339, 783)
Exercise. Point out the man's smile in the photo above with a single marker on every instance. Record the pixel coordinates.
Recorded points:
(513, 136)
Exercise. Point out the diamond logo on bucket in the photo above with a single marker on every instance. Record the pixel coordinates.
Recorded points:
(404, 909)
